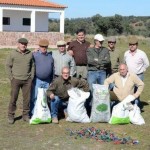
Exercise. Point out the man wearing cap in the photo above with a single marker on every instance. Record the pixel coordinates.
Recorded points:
(44, 67)
(63, 59)
(137, 61)
(114, 56)
(20, 71)
(77, 49)
(98, 59)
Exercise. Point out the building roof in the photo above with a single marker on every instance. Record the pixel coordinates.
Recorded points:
(36, 3)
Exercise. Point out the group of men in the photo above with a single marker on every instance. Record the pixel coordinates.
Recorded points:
(80, 65)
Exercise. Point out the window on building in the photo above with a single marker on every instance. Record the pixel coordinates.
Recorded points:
(6, 21)
(26, 21)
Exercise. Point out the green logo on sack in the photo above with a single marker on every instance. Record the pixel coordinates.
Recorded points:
(102, 107)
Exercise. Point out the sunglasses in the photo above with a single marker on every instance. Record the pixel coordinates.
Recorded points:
(61, 45)
(111, 42)
(132, 44)
(44, 46)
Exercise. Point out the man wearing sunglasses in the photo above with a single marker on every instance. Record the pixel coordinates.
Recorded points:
(44, 67)
(63, 59)
(114, 56)
(136, 60)
(98, 59)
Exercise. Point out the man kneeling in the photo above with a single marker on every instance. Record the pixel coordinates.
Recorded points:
(123, 84)
(58, 92)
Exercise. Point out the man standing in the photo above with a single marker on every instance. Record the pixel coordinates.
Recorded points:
(78, 49)
(98, 59)
(114, 56)
(44, 66)
(58, 92)
(136, 59)
(20, 71)
(124, 83)
(63, 59)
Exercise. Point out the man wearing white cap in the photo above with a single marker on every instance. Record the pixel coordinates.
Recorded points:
(63, 59)
(98, 59)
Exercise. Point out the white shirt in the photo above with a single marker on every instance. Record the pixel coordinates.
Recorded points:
(124, 79)
(137, 62)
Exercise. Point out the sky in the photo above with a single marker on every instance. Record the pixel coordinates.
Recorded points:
(89, 8)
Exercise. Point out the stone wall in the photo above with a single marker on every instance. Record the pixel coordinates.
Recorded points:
(9, 39)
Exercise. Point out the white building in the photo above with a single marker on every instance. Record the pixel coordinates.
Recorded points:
(28, 15)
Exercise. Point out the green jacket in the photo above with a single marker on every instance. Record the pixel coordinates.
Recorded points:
(98, 59)
(20, 66)
(59, 86)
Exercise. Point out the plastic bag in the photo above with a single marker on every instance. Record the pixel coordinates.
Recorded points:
(135, 116)
(41, 113)
(76, 109)
(101, 104)
(120, 115)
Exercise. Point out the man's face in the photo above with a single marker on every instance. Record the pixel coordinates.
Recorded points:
(62, 48)
(81, 36)
(111, 44)
(133, 47)
(98, 44)
(123, 70)
(65, 74)
(22, 46)
(43, 49)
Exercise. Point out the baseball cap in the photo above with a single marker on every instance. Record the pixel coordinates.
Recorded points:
(99, 37)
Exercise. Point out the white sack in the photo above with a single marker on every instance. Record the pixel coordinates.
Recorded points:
(76, 109)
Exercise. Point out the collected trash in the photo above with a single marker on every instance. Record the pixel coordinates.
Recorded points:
(101, 104)
(100, 135)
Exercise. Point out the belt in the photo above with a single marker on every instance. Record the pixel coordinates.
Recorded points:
(56, 75)
(140, 73)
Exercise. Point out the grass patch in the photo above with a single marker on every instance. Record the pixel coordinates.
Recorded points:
(21, 135)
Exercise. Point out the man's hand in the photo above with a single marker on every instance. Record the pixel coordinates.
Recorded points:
(52, 96)
(70, 52)
(35, 50)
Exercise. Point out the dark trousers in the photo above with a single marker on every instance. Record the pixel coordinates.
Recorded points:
(25, 86)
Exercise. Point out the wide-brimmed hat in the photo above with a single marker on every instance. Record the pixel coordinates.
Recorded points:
(23, 40)
(99, 37)
(43, 42)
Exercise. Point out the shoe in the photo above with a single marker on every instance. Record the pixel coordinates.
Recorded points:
(11, 120)
(26, 118)
(55, 120)
(66, 115)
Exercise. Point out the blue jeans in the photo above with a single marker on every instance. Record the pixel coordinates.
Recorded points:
(138, 102)
(37, 83)
(57, 103)
(96, 77)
